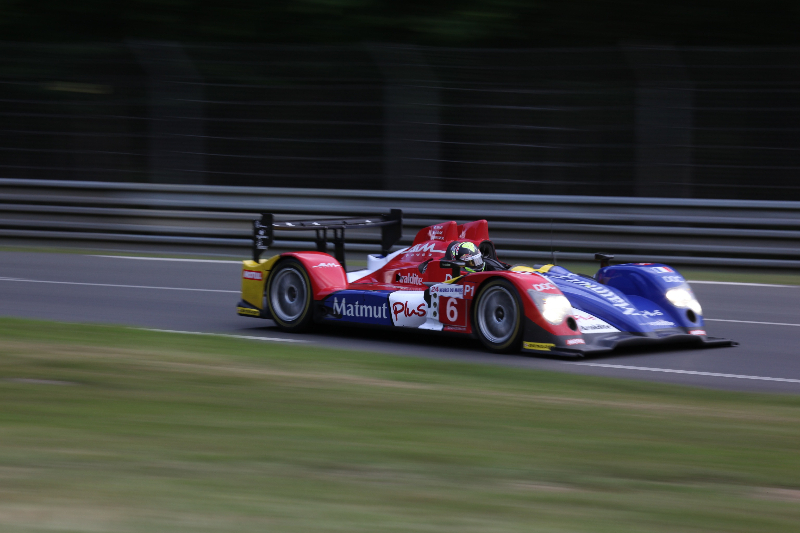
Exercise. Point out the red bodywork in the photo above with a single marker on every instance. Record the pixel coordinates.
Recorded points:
(402, 273)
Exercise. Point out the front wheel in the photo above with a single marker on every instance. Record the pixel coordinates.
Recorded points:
(289, 296)
(498, 317)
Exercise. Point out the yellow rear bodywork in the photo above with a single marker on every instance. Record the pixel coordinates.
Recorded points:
(254, 278)
(526, 268)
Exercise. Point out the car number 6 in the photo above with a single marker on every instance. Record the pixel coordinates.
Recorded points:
(452, 310)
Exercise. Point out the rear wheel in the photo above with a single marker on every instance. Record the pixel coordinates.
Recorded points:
(498, 317)
(289, 296)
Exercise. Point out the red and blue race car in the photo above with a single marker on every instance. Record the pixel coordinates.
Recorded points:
(451, 280)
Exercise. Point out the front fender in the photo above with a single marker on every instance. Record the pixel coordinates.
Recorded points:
(539, 334)
(531, 281)
(649, 281)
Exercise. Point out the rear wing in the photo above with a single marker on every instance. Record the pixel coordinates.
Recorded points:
(391, 230)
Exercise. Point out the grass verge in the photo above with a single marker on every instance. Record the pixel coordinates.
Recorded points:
(120, 430)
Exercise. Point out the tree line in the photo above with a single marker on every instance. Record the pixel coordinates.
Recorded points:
(495, 23)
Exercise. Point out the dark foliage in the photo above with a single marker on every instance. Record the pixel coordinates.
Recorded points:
(443, 22)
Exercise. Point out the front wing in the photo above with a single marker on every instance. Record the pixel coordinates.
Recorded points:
(591, 344)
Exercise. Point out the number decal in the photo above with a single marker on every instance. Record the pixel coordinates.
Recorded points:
(452, 311)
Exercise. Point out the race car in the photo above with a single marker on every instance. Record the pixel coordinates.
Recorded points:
(451, 280)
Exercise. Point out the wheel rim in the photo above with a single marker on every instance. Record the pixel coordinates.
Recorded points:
(497, 315)
(288, 293)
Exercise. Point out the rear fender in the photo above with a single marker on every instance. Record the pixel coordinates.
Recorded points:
(326, 273)
(254, 277)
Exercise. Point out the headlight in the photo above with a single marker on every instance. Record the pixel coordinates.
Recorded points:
(553, 307)
(684, 297)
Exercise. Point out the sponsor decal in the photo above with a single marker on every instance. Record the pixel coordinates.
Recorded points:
(617, 301)
(654, 312)
(409, 279)
(697, 332)
(601, 290)
(643, 263)
(247, 311)
(544, 287)
(354, 310)
(256, 275)
(408, 308)
(572, 342)
(541, 346)
(436, 233)
(469, 290)
(402, 308)
(591, 324)
(359, 307)
(326, 265)
(661, 323)
(661, 270)
(672, 279)
(426, 248)
(455, 328)
(450, 290)
(597, 328)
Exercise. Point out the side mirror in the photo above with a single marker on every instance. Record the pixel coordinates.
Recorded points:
(454, 265)
(605, 259)
(424, 265)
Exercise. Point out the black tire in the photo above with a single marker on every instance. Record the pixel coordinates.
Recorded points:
(497, 317)
(290, 296)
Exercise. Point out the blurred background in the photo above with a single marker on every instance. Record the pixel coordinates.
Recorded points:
(601, 98)
(656, 131)
(160, 129)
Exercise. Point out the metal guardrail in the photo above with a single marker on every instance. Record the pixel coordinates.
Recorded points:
(523, 227)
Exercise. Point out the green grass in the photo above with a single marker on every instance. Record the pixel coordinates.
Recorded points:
(120, 430)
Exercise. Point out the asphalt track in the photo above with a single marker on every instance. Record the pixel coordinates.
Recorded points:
(200, 297)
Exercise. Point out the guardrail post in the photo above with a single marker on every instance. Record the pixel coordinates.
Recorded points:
(663, 122)
(411, 120)
(175, 110)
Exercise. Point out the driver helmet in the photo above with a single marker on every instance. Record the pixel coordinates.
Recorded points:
(469, 253)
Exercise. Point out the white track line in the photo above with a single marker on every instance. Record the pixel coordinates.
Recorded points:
(751, 322)
(168, 259)
(232, 261)
(115, 285)
(272, 339)
(690, 372)
(740, 283)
